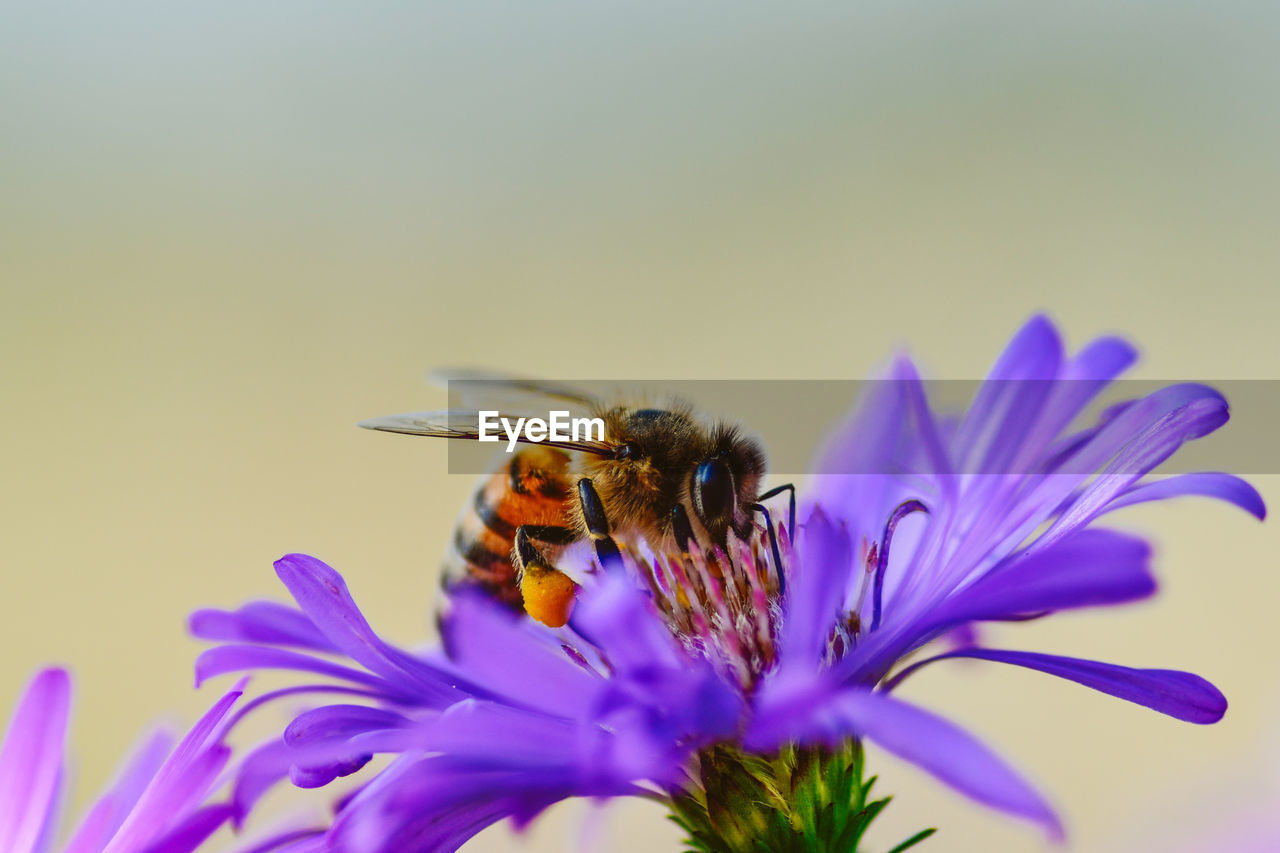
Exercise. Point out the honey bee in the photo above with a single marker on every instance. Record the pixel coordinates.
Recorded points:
(659, 475)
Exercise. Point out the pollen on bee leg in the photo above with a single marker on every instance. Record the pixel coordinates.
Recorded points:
(548, 595)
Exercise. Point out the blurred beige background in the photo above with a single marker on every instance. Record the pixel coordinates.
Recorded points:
(228, 233)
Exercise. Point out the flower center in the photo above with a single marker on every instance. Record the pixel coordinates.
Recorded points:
(725, 605)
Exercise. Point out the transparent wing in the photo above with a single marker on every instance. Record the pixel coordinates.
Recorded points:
(462, 423)
(485, 389)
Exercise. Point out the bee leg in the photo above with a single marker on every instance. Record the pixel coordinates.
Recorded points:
(547, 592)
(791, 517)
(681, 529)
(598, 526)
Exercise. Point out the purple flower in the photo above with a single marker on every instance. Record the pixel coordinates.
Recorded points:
(159, 803)
(695, 677)
(538, 717)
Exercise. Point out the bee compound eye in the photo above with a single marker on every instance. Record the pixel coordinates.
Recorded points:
(713, 496)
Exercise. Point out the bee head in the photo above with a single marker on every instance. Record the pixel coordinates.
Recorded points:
(724, 484)
(670, 472)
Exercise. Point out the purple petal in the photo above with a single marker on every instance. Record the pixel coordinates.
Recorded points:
(259, 771)
(913, 734)
(1083, 376)
(340, 722)
(1093, 567)
(678, 697)
(1182, 695)
(192, 831)
(445, 816)
(816, 593)
(294, 841)
(936, 458)
(486, 734)
(437, 805)
(319, 776)
(104, 818)
(265, 766)
(625, 626)
(272, 696)
(97, 826)
(1140, 438)
(241, 658)
(322, 594)
(31, 760)
(1224, 487)
(181, 783)
(693, 706)
(864, 443)
(1090, 568)
(948, 752)
(172, 797)
(1079, 381)
(1009, 402)
(260, 622)
(499, 651)
(857, 464)
(1102, 360)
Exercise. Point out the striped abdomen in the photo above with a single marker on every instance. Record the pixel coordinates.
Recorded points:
(532, 489)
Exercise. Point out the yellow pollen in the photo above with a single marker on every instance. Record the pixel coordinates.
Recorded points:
(548, 595)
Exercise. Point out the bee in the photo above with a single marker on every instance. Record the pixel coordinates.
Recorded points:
(663, 476)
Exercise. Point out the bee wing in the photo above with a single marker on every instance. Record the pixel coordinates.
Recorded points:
(527, 391)
(456, 423)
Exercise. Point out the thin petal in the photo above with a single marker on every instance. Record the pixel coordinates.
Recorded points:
(192, 831)
(181, 783)
(437, 805)
(1140, 438)
(1091, 568)
(104, 819)
(1135, 437)
(339, 722)
(1010, 401)
(1102, 360)
(865, 442)
(261, 769)
(856, 472)
(260, 622)
(290, 840)
(625, 626)
(1079, 381)
(258, 772)
(322, 594)
(816, 593)
(1182, 695)
(1224, 487)
(488, 735)
(948, 752)
(678, 697)
(241, 658)
(31, 760)
(498, 652)
(923, 738)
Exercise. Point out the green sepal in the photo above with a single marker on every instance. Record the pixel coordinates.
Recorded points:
(800, 800)
(914, 840)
